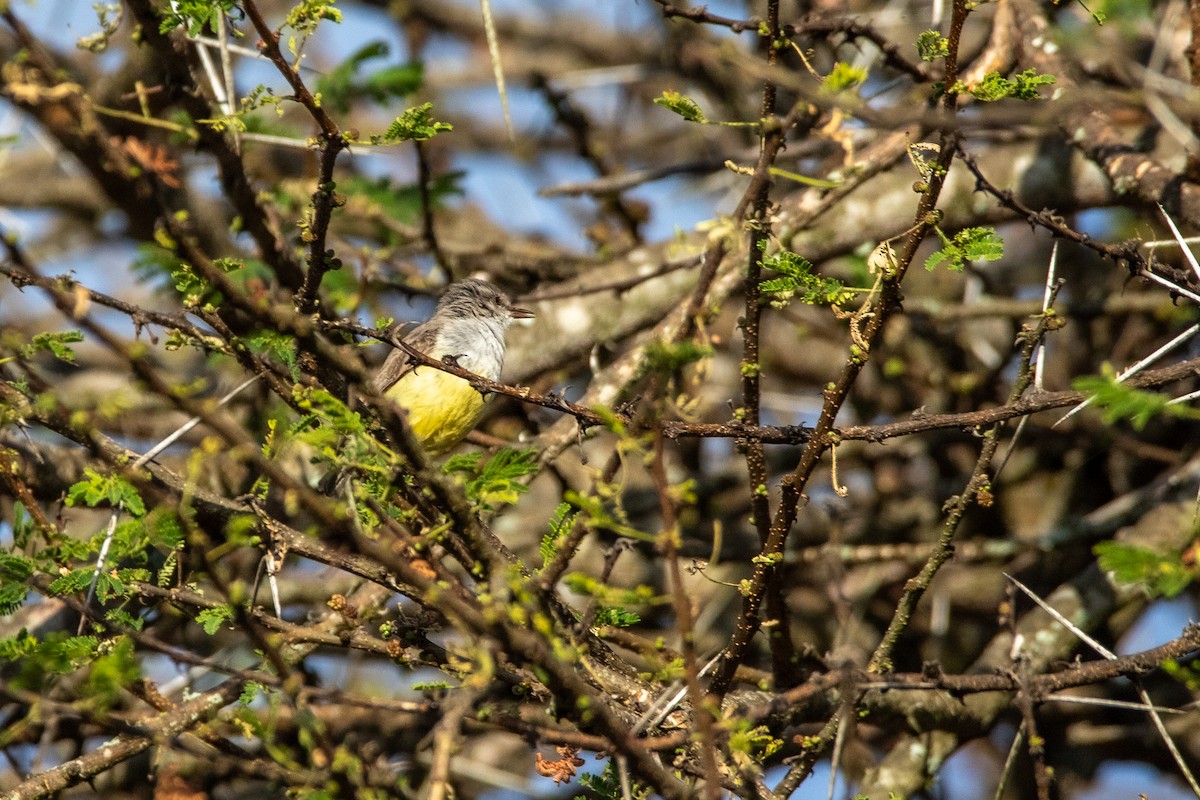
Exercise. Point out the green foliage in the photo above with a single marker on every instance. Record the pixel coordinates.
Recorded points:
(682, 105)
(122, 618)
(931, 46)
(1127, 13)
(23, 523)
(65, 653)
(14, 571)
(337, 438)
(166, 573)
(194, 291)
(599, 517)
(797, 278)
(497, 481)
(108, 16)
(843, 77)
(211, 618)
(332, 413)
(1123, 402)
(1187, 674)
(18, 646)
(378, 198)
(994, 86)
(115, 668)
(607, 786)
(751, 746)
(165, 528)
(402, 203)
(250, 692)
(57, 344)
(414, 125)
(343, 85)
(279, 346)
(156, 264)
(195, 15)
(606, 596)
(307, 14)
(667, 358)
(969, 244)
(616, 617)
(1158, 575)
(57, 653)
(96, 488)
(560, 525)
(109, 583)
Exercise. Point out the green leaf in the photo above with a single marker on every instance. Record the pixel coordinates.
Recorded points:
(343, 85)
(12, 597)
(969, 244)
(120, 616)
(14, 567)
(61, 653)
(843, 77)
(114, 669)
(497, 481)
(798, 277)
(250, 691)
(211, 618)
(306, 14)
(75, 581)
(194, 291)
(401, 203)
(279, 346)
(601, 518)
(1027, 84)
(18, 646)
(14, 571)
(682, 105)
(414, 125)
(607, 786)
(994, 86)
(560, 525)
(195, 15)
(609, 596)
(156, 264)
(1123, 402)
(752, 745)
(667, 358)
(109, 584)
(166, 573)
(616, 617)
(97, 488)
(432, 686)
(57, 344)
(931, 46)
(1164, 576)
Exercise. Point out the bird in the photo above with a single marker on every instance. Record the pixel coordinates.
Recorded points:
(466, 329)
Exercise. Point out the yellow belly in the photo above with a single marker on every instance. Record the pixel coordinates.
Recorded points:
(440, 407)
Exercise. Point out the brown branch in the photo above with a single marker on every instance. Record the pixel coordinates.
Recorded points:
(177, 56)
(1091, 130)
(155, 728)
(976, 491)
(332, 143)
(885, 305)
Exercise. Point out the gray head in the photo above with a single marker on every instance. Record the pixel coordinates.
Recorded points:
(479, 299)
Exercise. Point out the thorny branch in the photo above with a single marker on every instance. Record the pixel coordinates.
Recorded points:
(431, 577)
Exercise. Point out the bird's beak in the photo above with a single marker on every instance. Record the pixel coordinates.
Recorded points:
(520, 313)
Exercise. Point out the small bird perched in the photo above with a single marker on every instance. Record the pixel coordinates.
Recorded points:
(467, 328)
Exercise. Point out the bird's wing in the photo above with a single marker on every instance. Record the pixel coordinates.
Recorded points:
(398, 363)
